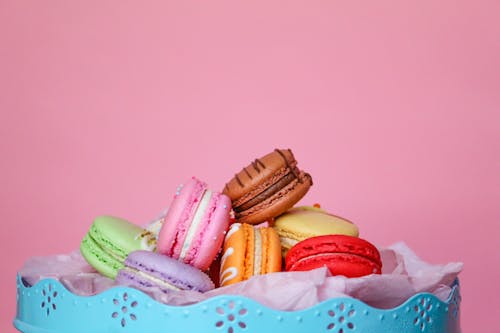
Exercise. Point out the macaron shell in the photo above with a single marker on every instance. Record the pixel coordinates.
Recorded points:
(157, 266)
(132, 279)
(278, 203)
(110, 240)
(208, 243)
(104, 263)
(267, 187)
(256, 173)
(239, 255)
(179, 217)
(327, 244)
(202, 246)
(300, 223)
(121, 236)
(233, 255)
(271, 251)
(343, 255)
(348, 265)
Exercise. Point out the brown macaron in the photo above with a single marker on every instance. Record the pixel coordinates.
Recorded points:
(267, 187)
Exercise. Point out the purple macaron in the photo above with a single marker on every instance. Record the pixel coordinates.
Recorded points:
(151, 269)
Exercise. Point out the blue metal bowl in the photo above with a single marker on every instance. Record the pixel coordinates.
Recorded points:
(48, 307)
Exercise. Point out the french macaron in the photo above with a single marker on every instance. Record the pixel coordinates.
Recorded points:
(151, 269)
(267, 187)
(194, 227)
(110, 240)
(343, 255)
(249, 251)
(304, 222)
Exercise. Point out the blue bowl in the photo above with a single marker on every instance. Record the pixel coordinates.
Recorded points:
(48, 307)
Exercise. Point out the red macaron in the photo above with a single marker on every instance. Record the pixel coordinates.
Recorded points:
(342, 255)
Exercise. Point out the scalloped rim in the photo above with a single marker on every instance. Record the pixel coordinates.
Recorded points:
(224, 298)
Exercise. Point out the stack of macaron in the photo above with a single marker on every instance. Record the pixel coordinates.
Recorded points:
(307, 237)
(249, 228)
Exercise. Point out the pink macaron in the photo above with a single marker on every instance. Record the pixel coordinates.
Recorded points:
(195, 224)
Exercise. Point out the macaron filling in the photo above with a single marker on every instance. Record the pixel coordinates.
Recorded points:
(267, 192)
(288, 243)
(153, 281)
(204, 234)
(106, 245)
(156, 267)
(332, 254)
(90, 247)
(322, 258)
(192, 230)
(256, 189)
(257, 255)
(271, 200)
(184, 221)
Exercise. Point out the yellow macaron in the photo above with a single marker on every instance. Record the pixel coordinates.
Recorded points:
(303, 222)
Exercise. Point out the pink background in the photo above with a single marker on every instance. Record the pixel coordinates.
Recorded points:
(392, 106)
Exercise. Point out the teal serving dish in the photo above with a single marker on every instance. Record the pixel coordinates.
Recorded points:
(48, 307)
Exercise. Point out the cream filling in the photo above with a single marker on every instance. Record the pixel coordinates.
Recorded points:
(153, 279)
(288, 243)
(257, 255)
(115, 256)
(195, 223)
(319, 255)
(108, 251)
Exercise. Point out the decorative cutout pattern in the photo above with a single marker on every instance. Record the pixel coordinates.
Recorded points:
(49, 301)
(422, 310)
(341, 319)
(124, 310)
(232, 318)
(455, 304)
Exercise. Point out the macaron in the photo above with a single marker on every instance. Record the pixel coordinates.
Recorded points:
(267, 187)
(343, 255)
(151, 269)
(109, 241)
(303, 222)
(249, 251)
(194, 227)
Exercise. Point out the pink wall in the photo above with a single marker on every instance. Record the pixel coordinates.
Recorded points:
(391, 105)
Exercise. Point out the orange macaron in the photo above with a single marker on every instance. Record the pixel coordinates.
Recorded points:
(249, 251)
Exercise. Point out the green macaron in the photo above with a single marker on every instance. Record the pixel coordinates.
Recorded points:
(110, 240)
